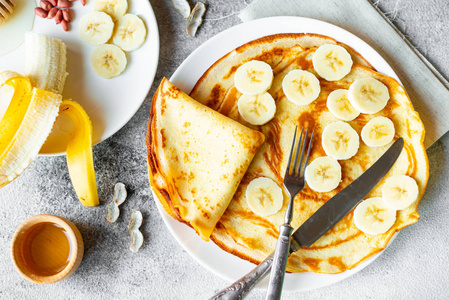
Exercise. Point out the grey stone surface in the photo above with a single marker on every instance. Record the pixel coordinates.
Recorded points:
(413, 267)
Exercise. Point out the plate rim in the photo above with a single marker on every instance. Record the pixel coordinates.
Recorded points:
(177, 78)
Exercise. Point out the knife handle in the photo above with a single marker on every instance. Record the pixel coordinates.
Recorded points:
(241, 287)
(279, 263)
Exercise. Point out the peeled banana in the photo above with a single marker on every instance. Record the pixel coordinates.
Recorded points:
(378, 132)
(323, 174)
(254, 77)
(257, 109)
(264, 196)
(332, 62)
(399, 191)
(372, 216)
(79, 154)
(301, 87)
(45, 62)
(114, 8)
(340, 140)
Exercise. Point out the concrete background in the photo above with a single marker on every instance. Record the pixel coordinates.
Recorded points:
(414, 267)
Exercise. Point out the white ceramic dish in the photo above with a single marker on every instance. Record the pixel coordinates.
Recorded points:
(110, 103)
(208, 254)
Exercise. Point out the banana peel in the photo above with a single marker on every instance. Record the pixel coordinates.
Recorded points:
(79, 154)
(27, 123)
(25, 126)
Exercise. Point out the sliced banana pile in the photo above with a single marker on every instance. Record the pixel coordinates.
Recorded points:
(301, 87)
(264, 196)
(323, 174)
(128, 33)
(378, 132)
(332, 62)
(340, 140)
(253, 79)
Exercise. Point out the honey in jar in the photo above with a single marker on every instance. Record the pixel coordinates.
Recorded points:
(45, 249)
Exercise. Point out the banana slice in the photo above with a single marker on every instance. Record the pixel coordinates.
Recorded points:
(339, 105)
(323, 174)
(368, 95)
(108, 61)
(301, 87)
(96, 27)
(339, 140)
(257, 109)
(372, 216)
(399, 191)
(130, 32)
(332, 62)
(254, 77)
(378, 132)
(114, 8)
(264, 196)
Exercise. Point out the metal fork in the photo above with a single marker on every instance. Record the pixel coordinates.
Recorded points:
(6, 8)
(294, 182)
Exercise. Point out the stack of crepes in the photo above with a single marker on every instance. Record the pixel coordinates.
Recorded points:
(239, 230)
(35, 103)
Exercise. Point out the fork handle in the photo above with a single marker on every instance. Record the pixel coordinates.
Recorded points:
(241, 287)
(279, 263)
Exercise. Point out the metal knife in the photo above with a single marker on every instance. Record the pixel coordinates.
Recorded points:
(321, 221)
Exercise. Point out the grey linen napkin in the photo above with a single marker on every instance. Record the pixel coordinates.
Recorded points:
(427, 89)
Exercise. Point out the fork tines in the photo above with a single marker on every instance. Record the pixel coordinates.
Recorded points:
(300, 145)
(6, 8)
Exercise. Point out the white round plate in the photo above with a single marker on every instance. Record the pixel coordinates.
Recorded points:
(110, 103)
(209, 255)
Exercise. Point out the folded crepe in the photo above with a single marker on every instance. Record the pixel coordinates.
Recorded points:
(196, 157)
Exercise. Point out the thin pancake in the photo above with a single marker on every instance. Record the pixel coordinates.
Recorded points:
(252, 237)
(196, 156)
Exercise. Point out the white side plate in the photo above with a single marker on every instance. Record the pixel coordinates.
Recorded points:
(110, 103)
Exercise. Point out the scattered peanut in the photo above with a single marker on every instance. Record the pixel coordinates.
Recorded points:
(67, 14)
(65, 25)
(52, 12)
(40, 12)
(53, 2)
(83, 2)
(64, 4)
(58, 17)
(45, 5)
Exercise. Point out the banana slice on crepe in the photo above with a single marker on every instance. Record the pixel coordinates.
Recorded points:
(372, 216)
(332, 62)
(378, 132)
(301, 87)
(368, 95)
(339, 105)
(399, 191)
(264, 196)
(114, 8)
(340, 140)
(108, 61)
(257, 109)
(96, 27)
(254, 77)
(130, 32)
(323, 174)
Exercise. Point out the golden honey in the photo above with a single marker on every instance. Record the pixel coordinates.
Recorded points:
(45, 249)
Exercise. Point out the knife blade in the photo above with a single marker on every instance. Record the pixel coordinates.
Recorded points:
(342, 203)
(321, 221)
